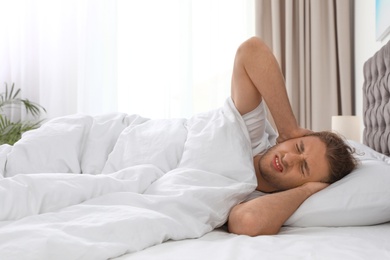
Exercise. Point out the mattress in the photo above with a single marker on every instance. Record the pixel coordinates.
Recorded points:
(365, 242)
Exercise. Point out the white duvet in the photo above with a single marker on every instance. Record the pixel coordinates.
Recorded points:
(84, 187)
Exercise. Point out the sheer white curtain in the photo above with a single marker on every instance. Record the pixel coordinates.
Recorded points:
(175, 56)
(168, 58)
(61, 54)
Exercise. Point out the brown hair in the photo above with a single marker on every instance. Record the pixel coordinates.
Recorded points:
(339, 154)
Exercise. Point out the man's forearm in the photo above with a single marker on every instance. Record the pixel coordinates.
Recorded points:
(264, 71)
(266, 215)
(257, 76)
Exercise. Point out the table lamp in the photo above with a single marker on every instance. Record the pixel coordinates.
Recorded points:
(347, 126)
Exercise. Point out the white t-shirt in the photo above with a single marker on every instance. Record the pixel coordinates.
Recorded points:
(261, 133)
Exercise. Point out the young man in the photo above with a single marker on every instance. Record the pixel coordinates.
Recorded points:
(301, 164)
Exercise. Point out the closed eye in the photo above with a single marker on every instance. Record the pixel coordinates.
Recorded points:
(299, 150)
(297, 147)
(305, 166)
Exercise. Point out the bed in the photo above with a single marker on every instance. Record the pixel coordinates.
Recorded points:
(126, 187)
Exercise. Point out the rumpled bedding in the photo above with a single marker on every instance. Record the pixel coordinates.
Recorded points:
(83, 187)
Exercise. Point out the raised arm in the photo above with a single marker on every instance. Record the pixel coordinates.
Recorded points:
(256, 75)
(265, 215)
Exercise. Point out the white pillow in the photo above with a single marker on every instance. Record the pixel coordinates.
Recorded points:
(365, 153)
(361, 198)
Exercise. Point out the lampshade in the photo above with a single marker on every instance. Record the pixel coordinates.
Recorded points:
(347, 126)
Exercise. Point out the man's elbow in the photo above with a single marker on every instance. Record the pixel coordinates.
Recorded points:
(249, 224)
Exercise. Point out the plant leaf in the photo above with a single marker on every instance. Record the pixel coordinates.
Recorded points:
(11, 132)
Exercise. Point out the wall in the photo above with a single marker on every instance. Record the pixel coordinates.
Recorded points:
(365, 44)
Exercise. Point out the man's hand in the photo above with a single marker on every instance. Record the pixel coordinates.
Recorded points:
(299, 132)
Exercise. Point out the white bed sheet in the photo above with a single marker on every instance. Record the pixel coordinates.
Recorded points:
(363, 242)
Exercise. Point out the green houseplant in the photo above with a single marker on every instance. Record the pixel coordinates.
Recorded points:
(10, 130)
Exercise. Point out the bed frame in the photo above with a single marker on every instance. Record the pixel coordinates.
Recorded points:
(376, 101)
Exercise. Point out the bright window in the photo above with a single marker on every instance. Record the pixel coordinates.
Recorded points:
(175, 57)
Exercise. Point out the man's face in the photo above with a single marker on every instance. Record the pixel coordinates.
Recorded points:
(292, 163)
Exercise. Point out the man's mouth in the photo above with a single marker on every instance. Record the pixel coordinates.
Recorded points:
(276, 164)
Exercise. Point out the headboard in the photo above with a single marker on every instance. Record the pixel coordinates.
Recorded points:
(376, 101)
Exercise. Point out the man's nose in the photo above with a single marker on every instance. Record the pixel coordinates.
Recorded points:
(291, 158)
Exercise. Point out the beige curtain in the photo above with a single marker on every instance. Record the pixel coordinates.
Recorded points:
(313, 42)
